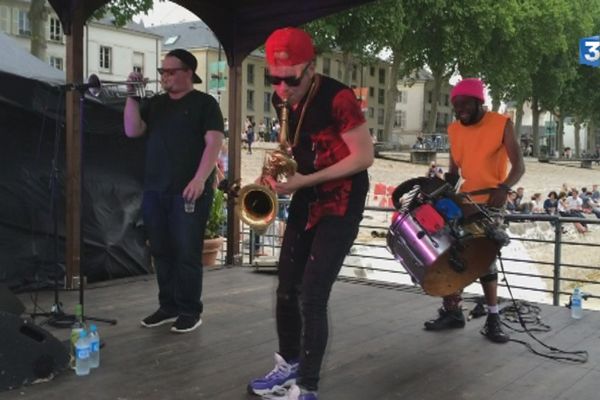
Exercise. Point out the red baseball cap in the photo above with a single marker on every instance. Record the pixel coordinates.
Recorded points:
(289, 46)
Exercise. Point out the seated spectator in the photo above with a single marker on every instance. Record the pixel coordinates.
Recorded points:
(574, 209)
(588, 204)
(536, 204)
(434, 171)
(510, 201)
(595, 193)
(522, 206)
(551, 203)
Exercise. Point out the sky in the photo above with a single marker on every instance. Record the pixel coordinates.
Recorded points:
(165, 13)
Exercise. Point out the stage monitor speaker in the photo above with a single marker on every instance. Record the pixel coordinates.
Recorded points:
(9, 302)
(28, 353)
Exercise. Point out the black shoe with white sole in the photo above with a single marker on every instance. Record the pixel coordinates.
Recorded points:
(159, 317)
(186, 323)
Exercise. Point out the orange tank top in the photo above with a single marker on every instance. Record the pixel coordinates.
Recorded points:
(479, 152)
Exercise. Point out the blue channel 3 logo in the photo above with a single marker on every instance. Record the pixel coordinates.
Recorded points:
(589, 51)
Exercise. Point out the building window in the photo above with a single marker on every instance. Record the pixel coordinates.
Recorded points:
(371, 112)
(138, 62)
(57, 62)
(446, 100)
(326, 66)
(381, 96)
(250, 74)
(354, 72)
(5, 19)
(266, 77)
(381, 76)
(402, 97)
(250, 100)
(429, 97)
(380, 135)
(105, 58)
(23, 23)
(171, 40)
(339, 68)
(267, 102)
(55, 30)
(380, 116)
(371, 91)
(400, 119)
(372, 70)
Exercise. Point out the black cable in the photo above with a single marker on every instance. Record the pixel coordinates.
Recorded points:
(576, 356)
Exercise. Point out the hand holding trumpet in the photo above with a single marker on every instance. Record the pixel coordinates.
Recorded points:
(136, 84)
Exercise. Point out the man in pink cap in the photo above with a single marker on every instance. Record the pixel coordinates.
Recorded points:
(481, 145)
(331, 143)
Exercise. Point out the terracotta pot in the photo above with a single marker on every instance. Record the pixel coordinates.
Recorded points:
(211, 250)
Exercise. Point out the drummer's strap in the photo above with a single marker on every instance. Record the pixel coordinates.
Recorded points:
(480, 191)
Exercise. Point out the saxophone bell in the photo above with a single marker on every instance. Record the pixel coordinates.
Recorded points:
(258, 203)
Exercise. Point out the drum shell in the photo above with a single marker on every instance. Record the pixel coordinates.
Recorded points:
(415, 249)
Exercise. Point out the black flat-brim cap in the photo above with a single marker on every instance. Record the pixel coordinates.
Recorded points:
(188, 59)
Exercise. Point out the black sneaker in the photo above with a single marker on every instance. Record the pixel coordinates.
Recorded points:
(186, 323)
(159, 317)
(493, 329)
(448, 319)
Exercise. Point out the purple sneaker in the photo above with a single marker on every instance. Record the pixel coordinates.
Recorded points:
(282, 376)
(295, 392)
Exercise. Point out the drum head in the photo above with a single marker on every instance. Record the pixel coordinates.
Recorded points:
(441, 279)
(427, 185)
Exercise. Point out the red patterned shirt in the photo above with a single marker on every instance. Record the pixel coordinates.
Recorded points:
(332, 111)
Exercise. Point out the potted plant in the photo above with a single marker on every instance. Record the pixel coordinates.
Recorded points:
(212, 235)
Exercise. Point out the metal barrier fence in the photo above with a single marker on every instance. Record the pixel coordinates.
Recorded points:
(538, 260)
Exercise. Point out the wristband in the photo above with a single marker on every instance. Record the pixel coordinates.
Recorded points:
(505, 187)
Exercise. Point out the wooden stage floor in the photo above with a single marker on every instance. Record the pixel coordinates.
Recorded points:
(378, 349)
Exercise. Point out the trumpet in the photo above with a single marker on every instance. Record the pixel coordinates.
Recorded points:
(120, 89)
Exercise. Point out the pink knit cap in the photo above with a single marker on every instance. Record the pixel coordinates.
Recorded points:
(472, 87)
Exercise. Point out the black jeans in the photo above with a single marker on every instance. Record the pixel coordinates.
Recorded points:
(308, 266)
(176, 241)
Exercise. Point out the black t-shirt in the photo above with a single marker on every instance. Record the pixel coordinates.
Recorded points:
(175, 143)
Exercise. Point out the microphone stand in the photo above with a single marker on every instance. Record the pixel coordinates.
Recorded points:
(57, 316)
(93, 82)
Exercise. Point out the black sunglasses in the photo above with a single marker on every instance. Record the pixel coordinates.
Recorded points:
(289, 80)
(170, 71)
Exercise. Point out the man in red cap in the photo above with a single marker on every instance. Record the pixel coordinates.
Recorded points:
(331, 143)
(481, 144)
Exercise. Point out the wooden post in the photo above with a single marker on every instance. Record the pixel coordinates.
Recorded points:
(74, 64)
(234, 173)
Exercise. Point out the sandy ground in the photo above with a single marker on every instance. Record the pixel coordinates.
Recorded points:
(539, 177)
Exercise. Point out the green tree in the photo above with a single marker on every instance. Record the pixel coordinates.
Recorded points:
(360, 34)
(440, 34)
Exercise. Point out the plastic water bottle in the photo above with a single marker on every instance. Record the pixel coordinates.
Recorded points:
(94, 347)
(576, 306)
(76, 329)
(82, 354)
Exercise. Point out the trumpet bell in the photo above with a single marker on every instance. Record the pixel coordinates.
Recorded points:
(119, 89)
(258, 207)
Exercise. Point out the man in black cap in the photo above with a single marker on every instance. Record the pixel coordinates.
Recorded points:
(185, 132)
